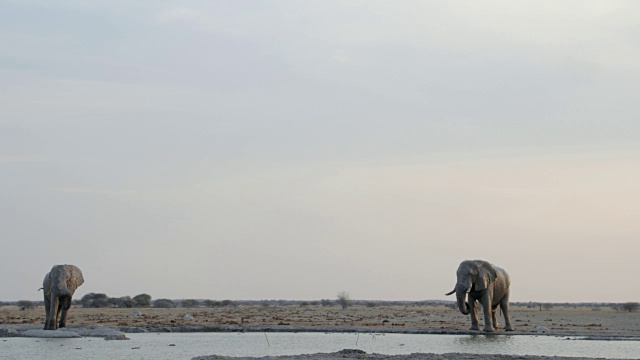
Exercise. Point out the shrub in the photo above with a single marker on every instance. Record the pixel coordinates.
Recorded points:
(227, 303)
(121, 302)
(190, 303)
(164, 303)
(25, 304)
(326, 302)
(142, 300)
(93, 300)
(530, 305)
(211, 303)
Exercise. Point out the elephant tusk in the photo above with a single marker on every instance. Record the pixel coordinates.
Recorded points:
(451, 292)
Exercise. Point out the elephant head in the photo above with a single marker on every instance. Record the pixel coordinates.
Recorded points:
(473, 275)
(59, 285)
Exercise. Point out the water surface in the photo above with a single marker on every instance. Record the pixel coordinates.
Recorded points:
(188, 345)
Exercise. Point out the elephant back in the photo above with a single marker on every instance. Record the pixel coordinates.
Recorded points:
(504, 274)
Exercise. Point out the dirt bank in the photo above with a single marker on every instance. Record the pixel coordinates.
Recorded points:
(358, 354)
(568, 320)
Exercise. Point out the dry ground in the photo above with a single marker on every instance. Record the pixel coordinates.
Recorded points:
(559, 320)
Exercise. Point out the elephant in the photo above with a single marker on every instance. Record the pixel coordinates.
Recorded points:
(489, 285)
(59, 285)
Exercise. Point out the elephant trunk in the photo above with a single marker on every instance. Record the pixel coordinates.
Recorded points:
(461, 293)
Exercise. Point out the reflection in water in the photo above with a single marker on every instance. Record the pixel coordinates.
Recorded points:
(482, 339)
(484, 343)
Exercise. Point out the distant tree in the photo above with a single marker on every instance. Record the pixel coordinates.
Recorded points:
(304, 303)
(530, 305)
(87, 300)
(164, 303)
(93, 300)
(211, 303)
(25, 304)
(343, 299)
(228, 303)
(190, 303)
(630, 306)
(121, 302)
(370, 304)
(326, 302)
(142, 300)
(112, 302)
(547, 306)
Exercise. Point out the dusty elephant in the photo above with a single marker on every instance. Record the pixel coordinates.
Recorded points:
(59, 285)
(488, 284)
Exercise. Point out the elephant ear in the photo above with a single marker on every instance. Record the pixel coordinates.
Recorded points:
(75, 278)
(486, 275)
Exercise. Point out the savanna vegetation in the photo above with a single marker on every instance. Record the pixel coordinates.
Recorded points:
(342, 299)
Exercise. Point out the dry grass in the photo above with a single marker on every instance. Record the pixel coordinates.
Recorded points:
(564, 320)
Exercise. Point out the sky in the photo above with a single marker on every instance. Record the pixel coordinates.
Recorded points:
(292, 149)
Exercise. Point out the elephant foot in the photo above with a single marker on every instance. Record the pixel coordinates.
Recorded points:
(489, 329)
(509, 328)
(474, 327)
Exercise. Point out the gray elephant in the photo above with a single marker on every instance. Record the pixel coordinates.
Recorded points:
(59, 285)
(488, 284)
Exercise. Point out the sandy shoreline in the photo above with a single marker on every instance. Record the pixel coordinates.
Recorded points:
(570, 321)
(355, 354)
(601, 323)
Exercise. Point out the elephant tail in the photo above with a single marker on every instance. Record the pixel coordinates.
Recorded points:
(41, 289)
(450, 292)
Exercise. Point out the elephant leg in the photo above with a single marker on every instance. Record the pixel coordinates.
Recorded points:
(486, 307)
(63, 318)
(494, 317)
(473, 313)
(58, 313)
(504, 305)
(52, 319)
(47, 309)
(65, 304)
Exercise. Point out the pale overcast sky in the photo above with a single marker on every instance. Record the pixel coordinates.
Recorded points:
(295, 149)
